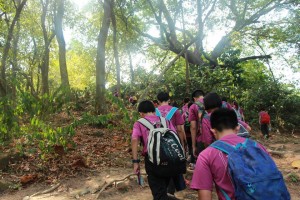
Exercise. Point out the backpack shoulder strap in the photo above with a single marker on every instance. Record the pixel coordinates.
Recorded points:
(206, 116)
(223, 146)
(199, 104)
(171, 113)
(146, 123)
(157, 112)
(163, 122)
(249, 142)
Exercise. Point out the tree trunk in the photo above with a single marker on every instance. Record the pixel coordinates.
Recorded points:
(187, 68)
(131, 67)
(58, 20)
(100, 60)
(15, 61)
(47, 42)
(45, 70)
(116, 52)
(187, 77)
(7, 48)
(199, 44)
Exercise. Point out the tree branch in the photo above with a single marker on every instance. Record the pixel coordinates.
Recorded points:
(210, 11)
(169, 65)
(254, 57)
(170, 21)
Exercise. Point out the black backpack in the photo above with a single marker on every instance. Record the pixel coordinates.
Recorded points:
(164, 149)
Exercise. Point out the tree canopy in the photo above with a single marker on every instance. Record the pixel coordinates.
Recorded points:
(53, 51)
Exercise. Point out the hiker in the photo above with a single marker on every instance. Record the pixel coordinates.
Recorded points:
(155, 103)
(174, 104)
(213, 102)
(191, 159)
(172, 114)
(185, 116)
(184, 108)
(159, 174)
(238, 110)
(225, 104)
(264, 121)
(116, 93)
(195, 112)
(132, 100)
(239, 168)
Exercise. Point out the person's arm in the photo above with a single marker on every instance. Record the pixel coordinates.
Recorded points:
(193, 128)
(204, 195)
(247, 127)
(179, 122)
(193, 118)
(134, 144)
(181, 134)
(135, 139)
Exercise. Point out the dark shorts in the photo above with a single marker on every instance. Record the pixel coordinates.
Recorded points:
(265, 129)
(158, 184)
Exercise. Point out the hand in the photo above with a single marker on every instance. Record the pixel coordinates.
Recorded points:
(136, 168)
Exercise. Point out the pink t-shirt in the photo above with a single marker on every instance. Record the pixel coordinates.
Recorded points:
(194, 116)
(207, 137)
(211, 167)
(140, 131)
(177, 118)
(185, 108)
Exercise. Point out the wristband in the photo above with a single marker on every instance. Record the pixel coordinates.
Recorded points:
(136, 161)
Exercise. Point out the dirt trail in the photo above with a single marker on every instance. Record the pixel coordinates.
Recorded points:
(82, 187)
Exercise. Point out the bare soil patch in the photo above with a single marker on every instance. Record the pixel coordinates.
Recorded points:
(102, 155)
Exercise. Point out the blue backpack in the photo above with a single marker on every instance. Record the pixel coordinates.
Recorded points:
(253, 172)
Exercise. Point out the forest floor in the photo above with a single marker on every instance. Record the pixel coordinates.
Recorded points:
(102, 156)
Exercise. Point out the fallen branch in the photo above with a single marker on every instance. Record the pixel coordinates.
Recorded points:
(277, 153)
(46, 191)
(114, 182)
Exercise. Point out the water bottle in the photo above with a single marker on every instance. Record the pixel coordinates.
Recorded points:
(140, 179)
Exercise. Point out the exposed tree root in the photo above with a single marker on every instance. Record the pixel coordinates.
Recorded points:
(114, 182)
(277, 153)
(44, 192)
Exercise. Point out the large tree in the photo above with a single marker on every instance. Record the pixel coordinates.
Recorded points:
(58, 22)
(19, 5)
(100, 60)
(201, 19)
(115, 47)
(48, 35)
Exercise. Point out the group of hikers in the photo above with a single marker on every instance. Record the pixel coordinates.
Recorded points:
(212, 137)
